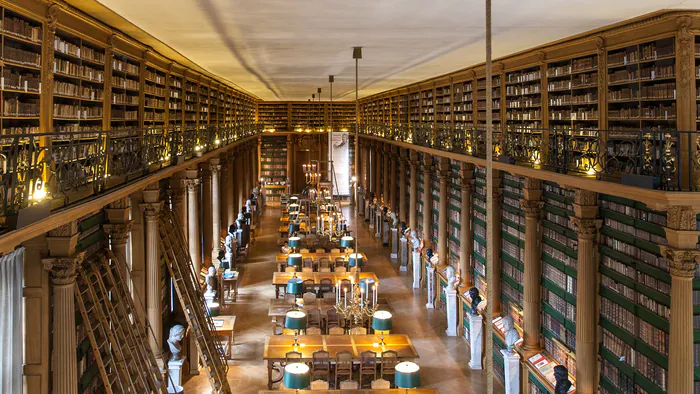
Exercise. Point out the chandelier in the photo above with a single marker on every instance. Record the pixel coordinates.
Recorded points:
(362, 300)
(310, 173)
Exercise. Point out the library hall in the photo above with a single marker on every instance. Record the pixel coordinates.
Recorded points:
(360, 197)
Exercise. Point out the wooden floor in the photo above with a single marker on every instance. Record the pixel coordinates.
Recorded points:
(443, 360)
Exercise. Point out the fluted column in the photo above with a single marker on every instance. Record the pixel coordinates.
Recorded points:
(682, 258)
(376, 160)
(532, 304)
(223, 192)
(587, 226)
(62, 271)
(386, 180)
(391, 179)
(215, 169)
(151, 209)
(494, 278)
(413, 196)
(231, 189)
(179, 200)
(192, 186)
(366, 170)
(401, 209)
(443, 213)
(427, 200)
(466, 232)
(207, 214)
(118, 238)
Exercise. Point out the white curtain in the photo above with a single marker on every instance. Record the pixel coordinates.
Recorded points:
(11, 306)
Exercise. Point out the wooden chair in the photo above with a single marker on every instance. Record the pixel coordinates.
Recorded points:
(345, 284)
(332, 319)
(324, 269)
(381, 384)
(335, 250)
(303, 250)
(359, 330)
(320, 250)
(308, 262)
(309, 298)
(339, 262)
(313, 318)
(308, 286)
(325, 286)
(307, 269)
(324, 262)
(349, 385)
(340, 269)
(313, 331)
(321, 365)
(336, 331)
(389, 360)
(343, 366)
(292, 357)
(368, 365)
(290, 269)
(320, 385)
(290, 298)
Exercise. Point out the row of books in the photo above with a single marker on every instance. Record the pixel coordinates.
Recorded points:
(126, 67)
(122, 114)
(71, 89)
(634, 252)
(21, 28)
(63, 46)
(155, 90)
(14, 106)
(124, 83)
(515, 90)
(76, 111)
(17, 80)
(525, 76)
(123, 98)
(154, 102)
(535, 114)
(153, 76)
(21, 56)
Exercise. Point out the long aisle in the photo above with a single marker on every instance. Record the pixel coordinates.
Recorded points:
(443, 360)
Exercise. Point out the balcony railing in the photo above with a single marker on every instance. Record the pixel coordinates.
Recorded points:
(665, 160)
(62, 168)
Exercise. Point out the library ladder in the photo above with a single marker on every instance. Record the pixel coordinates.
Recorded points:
(189, 291)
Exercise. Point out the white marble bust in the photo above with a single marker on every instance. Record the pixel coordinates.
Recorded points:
(177, 332)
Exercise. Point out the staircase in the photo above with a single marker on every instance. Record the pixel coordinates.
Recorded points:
(118, 340)
(189, 290)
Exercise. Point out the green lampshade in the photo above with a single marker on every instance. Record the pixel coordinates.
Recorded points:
(293, 199)
(355, 260)
(366, 284)
(293, 207)
(214, 309)
(294, 286)
(293, 227)
(294, 259)
(296, 376)
(347, 242)
(381, 321)
(294, 242)
(407, 375)
(295, 320)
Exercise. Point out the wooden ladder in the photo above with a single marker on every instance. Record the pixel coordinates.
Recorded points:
(188, 287)
(124, 357)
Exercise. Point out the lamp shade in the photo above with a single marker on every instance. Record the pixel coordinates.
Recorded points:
(366, 284)
(294, 259)
(294, 242)
(293, 227)
(294, 286)
(293, 207)
(214, 309)
(295, 320)
(355, 260)
(407, 375)
(347, 241)
(296, 376)
(381, 321)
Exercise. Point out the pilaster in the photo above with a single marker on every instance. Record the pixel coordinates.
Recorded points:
(413, 195)
(466, 233)
(427, 199)
(403, 160)
(215, 169)
(151, 209)
(443, 213)
(532, 208)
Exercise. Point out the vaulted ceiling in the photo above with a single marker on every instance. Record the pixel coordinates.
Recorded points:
(285, 49)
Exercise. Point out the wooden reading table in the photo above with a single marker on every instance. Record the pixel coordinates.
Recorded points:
(280, 279)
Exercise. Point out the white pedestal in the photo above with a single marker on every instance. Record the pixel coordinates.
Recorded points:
(394, 243)
(403, 254)
(378, 225)
(372, 218)
(476, 325)
(451, 310)
(416, 269)
(209, 297)
(511, 366)
(175, 376)
(430, 274)
(385, 233)
(366, 214)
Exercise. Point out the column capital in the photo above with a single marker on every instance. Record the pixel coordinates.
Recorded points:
(681, 262)
(681, 218)
(497, 193)
(467, 185)
(63, 269)
(119, 232)
(585, 197)
(531, 208)
(215, 169)
(151, 210)
(586, 228)
(191, 185)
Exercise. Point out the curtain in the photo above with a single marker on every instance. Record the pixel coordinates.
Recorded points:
(11, 306)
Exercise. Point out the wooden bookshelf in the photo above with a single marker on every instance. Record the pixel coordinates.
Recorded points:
(126, 99)
(274, 163)
(155, 92)
(22, 73)
(275, 116)
(176, 101)
(524, 98)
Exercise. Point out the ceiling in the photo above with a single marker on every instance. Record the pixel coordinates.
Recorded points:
(285, 49)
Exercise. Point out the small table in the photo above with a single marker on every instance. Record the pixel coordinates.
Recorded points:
(229, 285)
(224, 326)
(280, 279)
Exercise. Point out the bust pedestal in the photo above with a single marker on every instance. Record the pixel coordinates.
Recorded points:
(391, 237)
(175, 373)
(451, 309)
(371, 217)
(209, 297)
(379, 225)
(403, 254)
(430, 276)
(476, 325)
(416, 269)
(367, 214)
(511, 367)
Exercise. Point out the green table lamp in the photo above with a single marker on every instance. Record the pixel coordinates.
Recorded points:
(294, 242)
(355, 260)
(296, 376)
(381, 323)
(293, 228)
(293, 207)
(295, 320)
(407, 375)
(294, 286)
(294, 259)
(347, 242)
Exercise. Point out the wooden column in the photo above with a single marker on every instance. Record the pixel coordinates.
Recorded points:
(392, 180)
(532, 304)
(62, 266)
(151, 208)
(223, 193)
(215, 169)
(685, 83)
(376, 175)
(119, 229)
(231, 189)
(466, 232)
(682, 257)
(443, 213)
(386, 184)
(138, 260)
(494, 231)
(290, 156)
(179, 199)
(427, 200)
(402, 209)
(586, 211)
(413, 196)
(36, 290)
